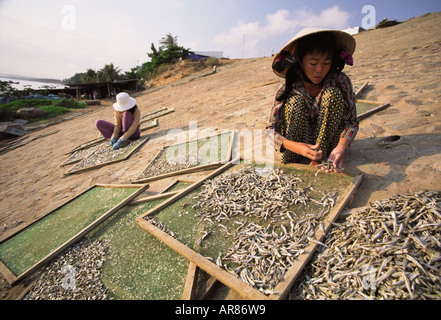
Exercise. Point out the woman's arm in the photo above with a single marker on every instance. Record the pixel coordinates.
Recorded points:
(118, 125)
(134, 126)
(306, 150)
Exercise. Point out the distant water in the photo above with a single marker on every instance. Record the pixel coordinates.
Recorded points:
(23, 84)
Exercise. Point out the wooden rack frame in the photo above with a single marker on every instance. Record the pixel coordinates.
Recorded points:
(359, 90)
(233, 282)
(109, 162)
(12, 278)
(196, 168)
(379, 106)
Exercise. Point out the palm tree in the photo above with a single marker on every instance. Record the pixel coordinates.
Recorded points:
(168, 41)
(91, 76)
(109, 73)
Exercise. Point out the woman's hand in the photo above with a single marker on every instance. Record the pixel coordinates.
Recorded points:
(306, 150)
(112, 141)
(338, 154)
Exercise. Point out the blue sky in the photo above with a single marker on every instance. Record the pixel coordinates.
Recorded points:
(57, 38)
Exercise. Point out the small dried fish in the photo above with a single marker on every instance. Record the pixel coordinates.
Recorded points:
(389, 250)
(86, 259)
(103, 153)
(260, 254)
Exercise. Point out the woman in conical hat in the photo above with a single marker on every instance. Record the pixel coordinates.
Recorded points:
(314, 116)
(126, 126)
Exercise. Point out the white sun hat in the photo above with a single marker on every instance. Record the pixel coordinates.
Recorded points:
(344, 42)
(124, 102)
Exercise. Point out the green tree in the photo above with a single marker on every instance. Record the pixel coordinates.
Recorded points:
(6, 90)
(168, 53)
(77, 78)
(109, 73)
(168, 41)
(130, 75)
(90, 76)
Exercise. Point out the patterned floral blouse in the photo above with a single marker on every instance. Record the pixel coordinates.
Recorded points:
(335, 80)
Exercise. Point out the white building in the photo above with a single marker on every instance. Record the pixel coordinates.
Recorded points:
(353, 30)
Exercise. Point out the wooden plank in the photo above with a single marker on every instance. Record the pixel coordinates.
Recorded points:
(79, 235)
(360, 90)
(190, 282)
(86, 145)
(366, 114)
(159, 113)
(180, 172)
(107, 185)
(7, 274)
(152, 198)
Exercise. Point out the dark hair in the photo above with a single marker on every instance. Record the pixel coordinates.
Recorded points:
(323, 42)
(133, 109)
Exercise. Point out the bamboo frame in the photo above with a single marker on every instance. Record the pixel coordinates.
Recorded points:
(154, 114)
(192, 169)
(86, 145)
(366, 114)
(360, 90)
(233, 282)
(99, 140)
(11, 278)
(109, 162)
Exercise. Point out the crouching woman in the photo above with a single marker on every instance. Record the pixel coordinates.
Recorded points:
(126, 126)
(314, 115)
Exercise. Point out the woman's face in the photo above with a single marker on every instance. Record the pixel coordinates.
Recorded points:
(316, 66)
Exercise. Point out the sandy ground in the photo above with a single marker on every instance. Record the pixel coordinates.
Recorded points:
(402, 65)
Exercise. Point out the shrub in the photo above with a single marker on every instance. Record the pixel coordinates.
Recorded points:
(51, 108)
(51, 111)
(164, 68)
(68, 103)
(8, 110)
(29, 103)
(212, 61)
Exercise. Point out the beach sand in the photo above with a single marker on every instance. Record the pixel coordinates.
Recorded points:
(401, 63)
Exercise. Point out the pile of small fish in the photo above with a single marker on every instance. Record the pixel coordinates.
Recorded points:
(74, 275)
(388, 250)
(261, 255)
(79, 155)
(250, 192)
(103, 153)
(326, 165)
(161, 165)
